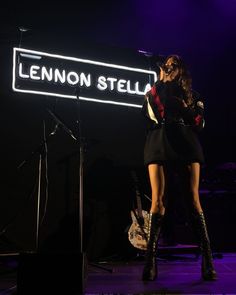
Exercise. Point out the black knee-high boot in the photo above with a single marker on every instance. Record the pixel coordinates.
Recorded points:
(207, 268)
(154, 228)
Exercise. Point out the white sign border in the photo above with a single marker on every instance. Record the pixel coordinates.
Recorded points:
(29, 51)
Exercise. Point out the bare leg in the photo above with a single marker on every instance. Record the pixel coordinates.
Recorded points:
(208, 271)
(157, 181)
(194, 170)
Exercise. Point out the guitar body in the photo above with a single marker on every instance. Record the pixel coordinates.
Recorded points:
(137, 233)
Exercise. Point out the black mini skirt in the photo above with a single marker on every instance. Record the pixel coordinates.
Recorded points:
(173, 142)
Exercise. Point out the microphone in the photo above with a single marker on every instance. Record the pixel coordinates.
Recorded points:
(167, 70)
(60, 123)
(170, 68)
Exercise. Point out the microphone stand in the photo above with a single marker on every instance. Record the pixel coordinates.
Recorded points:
(79, 210)
(82, 145)
(78, 200)
(41, 150)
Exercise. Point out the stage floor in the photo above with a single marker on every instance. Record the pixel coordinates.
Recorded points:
(178, 274)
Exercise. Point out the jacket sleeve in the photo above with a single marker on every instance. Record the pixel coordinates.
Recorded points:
(194, 114)
(152, 106)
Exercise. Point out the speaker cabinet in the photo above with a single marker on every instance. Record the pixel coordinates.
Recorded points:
(44, 273)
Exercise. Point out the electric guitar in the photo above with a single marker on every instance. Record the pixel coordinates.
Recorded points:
(137, 233)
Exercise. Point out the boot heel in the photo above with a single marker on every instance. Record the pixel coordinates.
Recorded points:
(207, 268)
(154, 228)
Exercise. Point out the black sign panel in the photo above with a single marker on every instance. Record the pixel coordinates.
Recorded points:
(63, 76)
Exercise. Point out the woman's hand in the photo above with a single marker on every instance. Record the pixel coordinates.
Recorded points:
(178, 102)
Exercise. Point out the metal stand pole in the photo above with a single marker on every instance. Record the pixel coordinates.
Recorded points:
(38, 201)
(81, 192)
(41, 150)
(82, 143)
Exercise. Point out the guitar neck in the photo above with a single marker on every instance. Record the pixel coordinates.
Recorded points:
(138, 195)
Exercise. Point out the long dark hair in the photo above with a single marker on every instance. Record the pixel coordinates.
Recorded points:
(184, 78)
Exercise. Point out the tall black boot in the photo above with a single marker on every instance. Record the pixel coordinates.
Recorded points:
(154, 228)
(207, 268)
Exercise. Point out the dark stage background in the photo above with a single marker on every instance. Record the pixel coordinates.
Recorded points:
(203, 33)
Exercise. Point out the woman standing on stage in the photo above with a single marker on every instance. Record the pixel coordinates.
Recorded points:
(175, 115)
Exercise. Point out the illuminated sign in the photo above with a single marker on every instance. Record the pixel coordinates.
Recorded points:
(63, 76)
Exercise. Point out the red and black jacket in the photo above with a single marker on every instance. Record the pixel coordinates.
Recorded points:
(155, 107)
